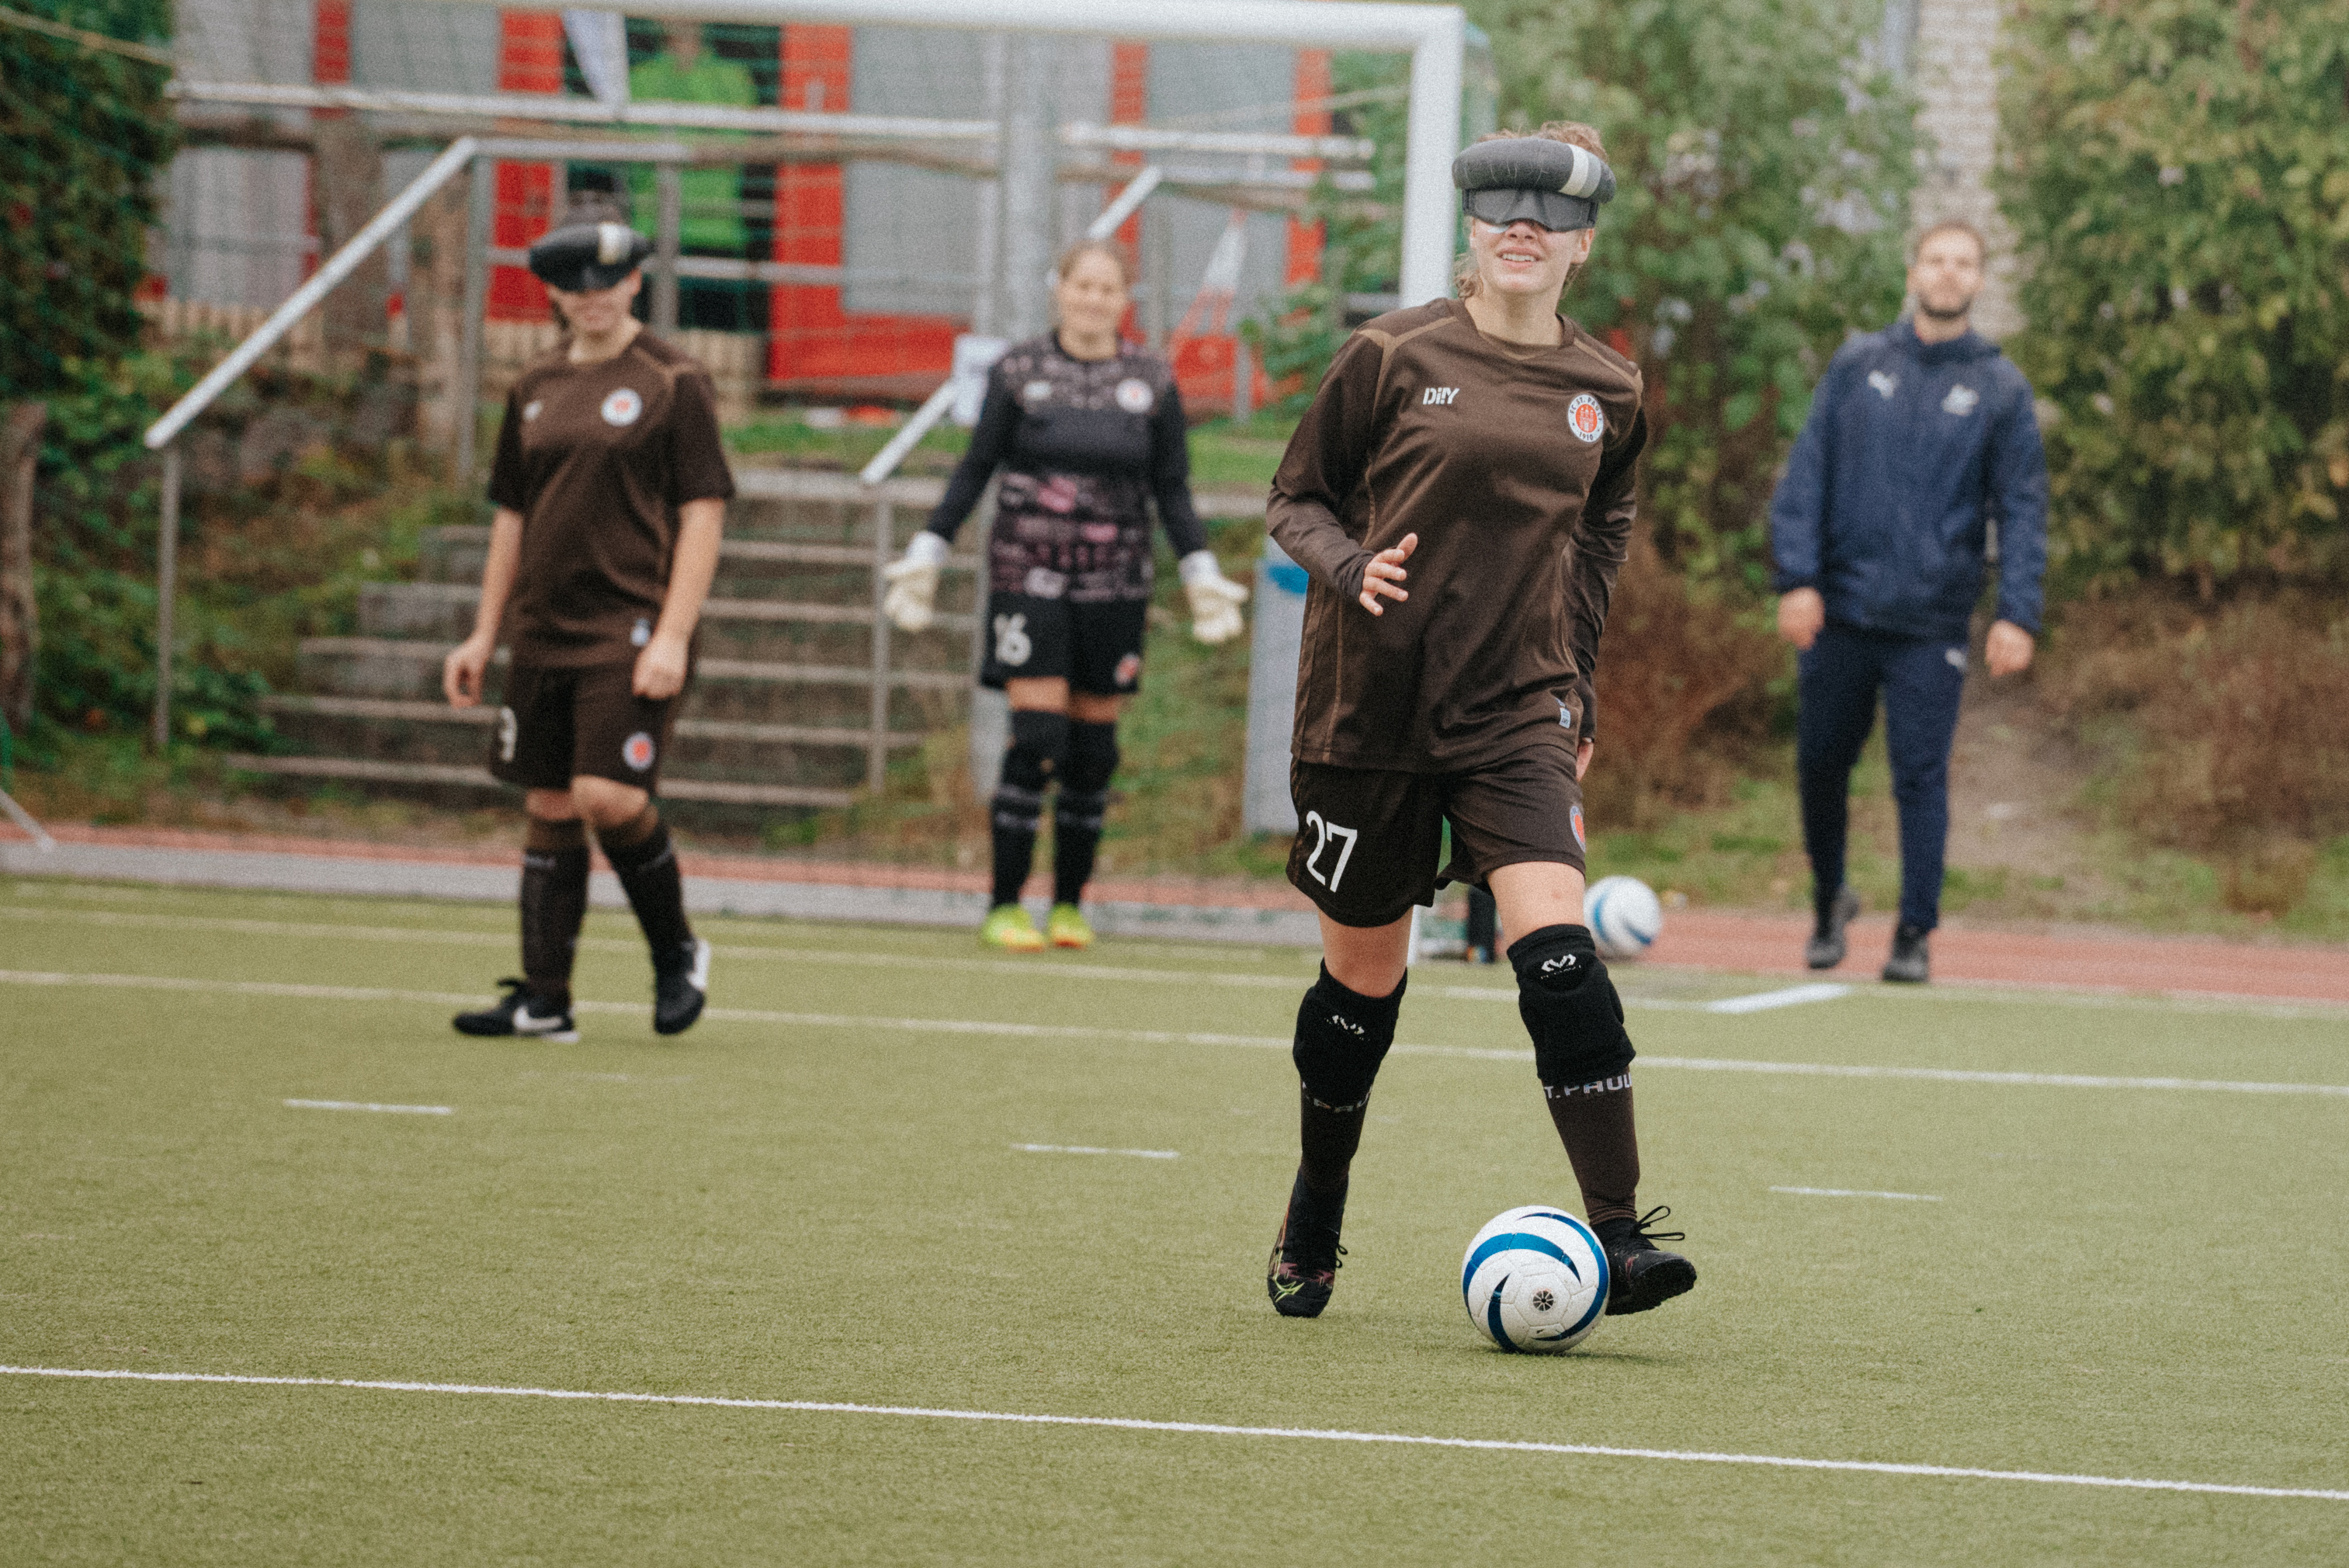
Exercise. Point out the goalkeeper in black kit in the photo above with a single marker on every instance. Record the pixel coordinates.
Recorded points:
(1461, 493)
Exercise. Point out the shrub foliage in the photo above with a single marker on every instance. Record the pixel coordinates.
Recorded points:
(2179, 177)
(84, 134)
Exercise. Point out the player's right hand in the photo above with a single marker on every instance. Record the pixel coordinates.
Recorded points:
(911, 603)
(462, 672)
(1385, 572)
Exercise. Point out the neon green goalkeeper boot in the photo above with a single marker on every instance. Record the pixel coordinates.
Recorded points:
(1009, 927)
(1066, 928)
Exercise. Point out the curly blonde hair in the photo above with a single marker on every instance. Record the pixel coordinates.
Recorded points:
(1572, 132)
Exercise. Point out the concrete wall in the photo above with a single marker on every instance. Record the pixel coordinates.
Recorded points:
(1955, 50)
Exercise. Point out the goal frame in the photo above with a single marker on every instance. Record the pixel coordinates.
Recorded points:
(1434, 36)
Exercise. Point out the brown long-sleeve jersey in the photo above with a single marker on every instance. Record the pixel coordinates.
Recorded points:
(1514, 465)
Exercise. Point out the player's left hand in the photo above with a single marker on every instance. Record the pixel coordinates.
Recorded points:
(1215, 599)
(660, 669)
(2009, 649)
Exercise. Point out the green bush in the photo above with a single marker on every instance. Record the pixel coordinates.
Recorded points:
(84, 136)
(1762, 177)
(2179, 178)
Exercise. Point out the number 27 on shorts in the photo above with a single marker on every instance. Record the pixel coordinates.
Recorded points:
(1328, 833)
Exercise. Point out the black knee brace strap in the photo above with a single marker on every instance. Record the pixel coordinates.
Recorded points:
(1342, 1038)
(1570, 1009)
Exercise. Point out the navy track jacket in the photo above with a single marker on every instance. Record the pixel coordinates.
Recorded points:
(1909, 450)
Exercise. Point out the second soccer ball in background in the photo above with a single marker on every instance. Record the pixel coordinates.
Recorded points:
(1624, 916)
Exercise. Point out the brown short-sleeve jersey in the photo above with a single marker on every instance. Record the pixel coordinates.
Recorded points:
(598, 458)
(1514, 464)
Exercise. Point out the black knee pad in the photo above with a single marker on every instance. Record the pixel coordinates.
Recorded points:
(1571, 1008)
(1092, 758)
(1038, 742)
(1040, 748)
(1342, 1038)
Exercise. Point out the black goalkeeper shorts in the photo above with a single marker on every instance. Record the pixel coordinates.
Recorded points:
(1096, 648)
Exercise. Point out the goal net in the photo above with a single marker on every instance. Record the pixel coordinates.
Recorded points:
(847, 196)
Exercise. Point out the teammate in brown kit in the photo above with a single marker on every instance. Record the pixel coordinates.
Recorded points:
(1461, 494)
(611, 488)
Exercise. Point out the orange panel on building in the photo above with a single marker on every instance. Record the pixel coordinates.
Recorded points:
(530, 60)
(812, 339)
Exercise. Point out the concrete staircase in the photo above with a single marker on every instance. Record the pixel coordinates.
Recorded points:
(801, 693)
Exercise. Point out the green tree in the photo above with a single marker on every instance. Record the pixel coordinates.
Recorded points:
(84, 134)
(1763, 170)
(2178, 176)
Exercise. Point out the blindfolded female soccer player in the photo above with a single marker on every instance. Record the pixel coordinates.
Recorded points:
(611, 490)
(1461, 494)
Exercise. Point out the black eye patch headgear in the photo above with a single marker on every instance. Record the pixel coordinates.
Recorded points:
(1553, 183)
(582, 257)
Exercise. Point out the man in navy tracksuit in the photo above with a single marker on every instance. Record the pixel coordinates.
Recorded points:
(1918, 436)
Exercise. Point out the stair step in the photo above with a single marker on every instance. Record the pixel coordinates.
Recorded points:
(446, 610)
(445, 774)
(419, 651)
(395, 710)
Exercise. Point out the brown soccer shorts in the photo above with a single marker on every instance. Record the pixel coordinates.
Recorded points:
(559, 724)
(1369, 840)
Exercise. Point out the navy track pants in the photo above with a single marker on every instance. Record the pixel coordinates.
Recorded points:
(1922, 680)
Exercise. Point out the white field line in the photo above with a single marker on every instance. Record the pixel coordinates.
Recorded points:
(1081, 1149)
(1791, 996)
(1850, 1192)
(1154, 1036)
(367, 1105)
(2031, 993)
(1200, 1428)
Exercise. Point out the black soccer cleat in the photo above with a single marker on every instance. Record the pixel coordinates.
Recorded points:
(1911, 962)
(519, 1014)
(1304, 1267)
(680, 990)
(1644, 1275)
(1825, 950)
(1300, 1287)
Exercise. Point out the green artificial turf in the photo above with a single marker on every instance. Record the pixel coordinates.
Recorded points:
(2113, 1282)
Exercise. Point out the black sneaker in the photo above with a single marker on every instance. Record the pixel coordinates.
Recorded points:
(520, 1013)
(1644, 1275)
(680, 990)
(1825, 950)
(1911, 962)
(1303, 1269)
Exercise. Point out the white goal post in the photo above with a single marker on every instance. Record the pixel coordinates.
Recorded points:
(1436, 36)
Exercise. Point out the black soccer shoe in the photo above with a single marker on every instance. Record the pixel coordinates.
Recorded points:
(1825, 950)
(1644, 1275)
(1911, 962)
(1299, 1280)
(680, 990)
(520, 1013)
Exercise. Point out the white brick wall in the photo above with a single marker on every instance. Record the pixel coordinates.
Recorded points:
(1957, 78)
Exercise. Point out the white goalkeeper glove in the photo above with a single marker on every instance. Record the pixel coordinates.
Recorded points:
(912, 595)
(1215, 599)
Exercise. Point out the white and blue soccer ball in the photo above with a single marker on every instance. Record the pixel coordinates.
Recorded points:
(1535, 1280)
(1624, 915)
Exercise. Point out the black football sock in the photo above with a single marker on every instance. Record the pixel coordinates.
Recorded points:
(1039, 741)
(554, 903)
(1602, 1141)
(645, 862)
(1342, 1037)
(1077, 813)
